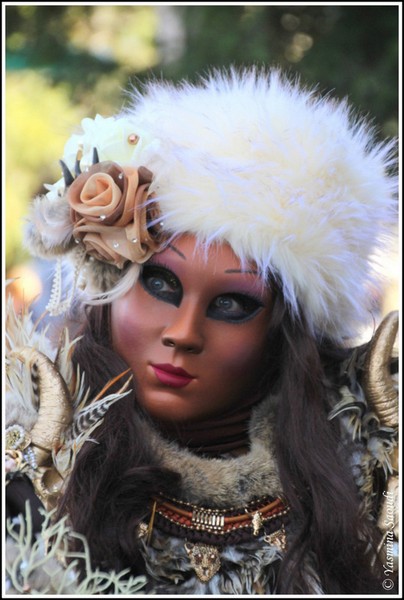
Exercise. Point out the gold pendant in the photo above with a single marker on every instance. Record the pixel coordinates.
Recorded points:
(277, 538)
(257, 523)
(205, 560)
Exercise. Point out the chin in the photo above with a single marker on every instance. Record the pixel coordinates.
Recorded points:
(167, 407)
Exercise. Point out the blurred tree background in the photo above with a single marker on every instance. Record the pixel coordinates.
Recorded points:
(65, 62)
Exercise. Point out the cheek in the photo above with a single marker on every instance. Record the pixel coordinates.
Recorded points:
(128, 327)
(240, 353)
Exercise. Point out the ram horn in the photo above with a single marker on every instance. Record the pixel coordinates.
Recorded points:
(55, 411)
(377, 381)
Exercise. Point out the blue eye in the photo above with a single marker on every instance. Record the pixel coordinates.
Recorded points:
(161, 283)
(234, 307)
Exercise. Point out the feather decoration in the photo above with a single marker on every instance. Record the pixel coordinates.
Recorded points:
(353, 405)
(49, 229)
(56, 306)
(248, 568)
(95, 411)
(361, 425)
(55, 300)
(41, 380)
(63, 360)
(21, 403)
(87, 417)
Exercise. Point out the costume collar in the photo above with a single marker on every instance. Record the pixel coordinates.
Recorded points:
(220, 482)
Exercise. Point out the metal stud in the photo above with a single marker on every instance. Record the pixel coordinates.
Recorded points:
(95, 156)
(68, 177)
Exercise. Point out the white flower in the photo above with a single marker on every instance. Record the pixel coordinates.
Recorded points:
(55, 190)
(116, 139)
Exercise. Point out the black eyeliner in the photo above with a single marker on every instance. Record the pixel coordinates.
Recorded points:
(162, 272)
(163, 266)
(244, 300)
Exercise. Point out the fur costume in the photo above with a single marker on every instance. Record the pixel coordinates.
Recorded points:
(292, 181)
(250, 566)
(296, 184)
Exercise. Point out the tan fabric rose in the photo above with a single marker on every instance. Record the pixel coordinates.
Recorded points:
(109, 214)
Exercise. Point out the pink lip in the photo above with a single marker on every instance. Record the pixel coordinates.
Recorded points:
(172, 376)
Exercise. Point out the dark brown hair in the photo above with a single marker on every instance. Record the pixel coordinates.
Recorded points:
(332, 530)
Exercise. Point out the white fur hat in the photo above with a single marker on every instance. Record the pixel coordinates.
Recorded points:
(290, 180)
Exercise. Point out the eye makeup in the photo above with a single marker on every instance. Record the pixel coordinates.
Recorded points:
(232, 306)
(161, 283)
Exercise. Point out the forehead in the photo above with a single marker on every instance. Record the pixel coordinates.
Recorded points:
(217, 256)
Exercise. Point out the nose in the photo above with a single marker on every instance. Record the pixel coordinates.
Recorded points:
(184, 333)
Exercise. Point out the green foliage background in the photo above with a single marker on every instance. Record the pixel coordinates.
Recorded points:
(65, 62)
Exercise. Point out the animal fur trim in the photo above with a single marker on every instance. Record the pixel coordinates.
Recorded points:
(219, 482)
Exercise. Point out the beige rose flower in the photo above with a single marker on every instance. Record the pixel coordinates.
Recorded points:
(109, 213)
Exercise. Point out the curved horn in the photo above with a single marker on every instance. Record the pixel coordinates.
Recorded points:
(377, 382)
(55, 407)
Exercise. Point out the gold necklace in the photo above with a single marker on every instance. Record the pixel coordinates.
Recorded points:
(207, 529)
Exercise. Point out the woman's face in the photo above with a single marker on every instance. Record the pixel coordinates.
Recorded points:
(193, 331)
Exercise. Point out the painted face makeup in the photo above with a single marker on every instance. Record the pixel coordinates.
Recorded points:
(193, 331)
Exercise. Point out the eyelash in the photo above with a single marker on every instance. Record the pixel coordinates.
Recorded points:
(164, 273)
(245, 301)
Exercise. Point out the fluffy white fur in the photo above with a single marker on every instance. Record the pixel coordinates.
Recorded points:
(291, 180)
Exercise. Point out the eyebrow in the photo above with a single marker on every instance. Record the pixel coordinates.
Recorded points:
(174, 249)
(250, 271)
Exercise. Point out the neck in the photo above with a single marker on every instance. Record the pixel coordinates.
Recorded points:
(226, 433)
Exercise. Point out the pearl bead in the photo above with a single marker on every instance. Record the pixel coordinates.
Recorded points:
(133, 139)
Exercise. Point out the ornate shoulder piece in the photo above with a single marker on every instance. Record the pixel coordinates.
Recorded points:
(368, 412)
(382, 393)
(32, 450)
(49, 413)
(378, 384)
